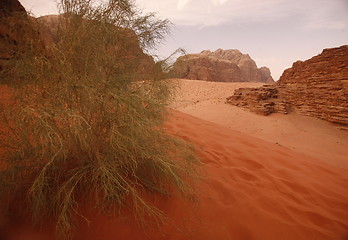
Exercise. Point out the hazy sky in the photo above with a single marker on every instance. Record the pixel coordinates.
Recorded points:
(275, 33)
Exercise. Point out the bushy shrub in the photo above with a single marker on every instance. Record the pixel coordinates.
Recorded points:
(83, 123)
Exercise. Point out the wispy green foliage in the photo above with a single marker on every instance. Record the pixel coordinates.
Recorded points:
(84, 123)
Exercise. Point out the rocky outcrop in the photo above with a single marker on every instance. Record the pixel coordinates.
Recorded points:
(15, 29)
(317, 87)
(128, 50)
(221, 66)
(20, 32)
(206, 68)
(8, 7)
(264, 100)
(265, 74)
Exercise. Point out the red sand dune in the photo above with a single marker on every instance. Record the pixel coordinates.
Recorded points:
(252, 190)
(311, 136)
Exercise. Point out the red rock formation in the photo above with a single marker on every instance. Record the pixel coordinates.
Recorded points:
(317, 87)
(264, 100)
(221, 66)
(266, 75)
(128, 48)
(15, 29)
(8, 7)
(207, 68)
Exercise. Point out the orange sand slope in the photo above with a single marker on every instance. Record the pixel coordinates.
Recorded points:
(314, 137)
(252, 190)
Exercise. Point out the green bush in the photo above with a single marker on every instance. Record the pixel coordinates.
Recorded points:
(83, 121)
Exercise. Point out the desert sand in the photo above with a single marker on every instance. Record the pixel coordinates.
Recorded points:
(252, 188)
(308, 135)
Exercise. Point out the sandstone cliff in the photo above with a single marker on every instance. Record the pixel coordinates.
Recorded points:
(18, 31)
(221, 66)
(317, 87)
(8, 7)
(127, 50)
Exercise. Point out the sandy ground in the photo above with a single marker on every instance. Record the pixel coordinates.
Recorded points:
(314, 137)
(252, 189)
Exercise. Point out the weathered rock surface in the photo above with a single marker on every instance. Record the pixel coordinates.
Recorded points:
(15, 29)
(221, 66)
(266, 76)
(18, 31)
(8, 7)
(317, 87)
(264, 100)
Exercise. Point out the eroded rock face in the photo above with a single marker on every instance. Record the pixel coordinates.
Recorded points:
(8, 7)
(266, 75)
(264, 100)
(221, 66)
(127, 48)
(207, 68)
(20, 32)
(317, 87)
(15, 29)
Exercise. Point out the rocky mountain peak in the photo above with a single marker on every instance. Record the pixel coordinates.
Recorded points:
(222, 66)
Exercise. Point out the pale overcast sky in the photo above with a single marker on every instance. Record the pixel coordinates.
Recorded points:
(275, 33)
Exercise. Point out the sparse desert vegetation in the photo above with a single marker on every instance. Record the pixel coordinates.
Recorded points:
(82, 122)
(97, 143)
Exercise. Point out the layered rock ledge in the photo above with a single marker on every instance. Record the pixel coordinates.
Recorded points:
(317, 87)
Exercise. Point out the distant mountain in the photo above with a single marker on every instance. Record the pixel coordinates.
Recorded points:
(221, 66)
